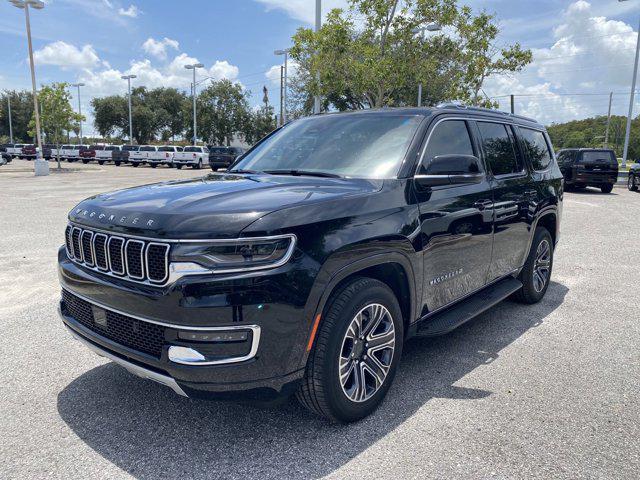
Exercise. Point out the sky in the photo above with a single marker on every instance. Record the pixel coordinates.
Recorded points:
(582, 49)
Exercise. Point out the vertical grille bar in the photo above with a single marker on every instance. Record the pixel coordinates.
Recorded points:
(100, 251)
(75, 241)
(87, 247)
(67, 241)
(133, 259)
(115, 246)
(157, 261)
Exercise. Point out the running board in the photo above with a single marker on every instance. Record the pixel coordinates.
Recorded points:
(454, 316)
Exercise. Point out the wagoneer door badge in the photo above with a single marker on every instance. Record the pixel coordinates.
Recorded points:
(445, 277)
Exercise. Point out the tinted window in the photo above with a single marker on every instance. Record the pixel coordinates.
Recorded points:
(147, 149)
(595, 156)
(193, 149)
(96, 147)
(447, 138)
(166, 149)
(130, 148)
(499, 149)
(111, 148)
(536, 148)
(219, 150)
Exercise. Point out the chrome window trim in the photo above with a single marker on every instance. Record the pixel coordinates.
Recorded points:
(84, 232)
(166, 261)
(255, 330)
(116, 273)
(522, 173)
(126, 259)
(76, 257)
(106, 251)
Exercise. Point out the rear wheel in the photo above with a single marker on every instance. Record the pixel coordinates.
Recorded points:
(135, 164)
(608, 188)
(85, 161)
(117, 164)
(632, 183)
(199, 166)
(356, 352)
(536, 273)
(215, 169)
(179, 166)
(152, 165)
(101, 162)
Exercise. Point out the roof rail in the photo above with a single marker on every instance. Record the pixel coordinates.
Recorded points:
(461, 106)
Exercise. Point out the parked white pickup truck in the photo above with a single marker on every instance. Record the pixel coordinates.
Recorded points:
(106, 154)
(197, 157)
(163, 156)
(15, 150)
(72, 152)
(141, 155)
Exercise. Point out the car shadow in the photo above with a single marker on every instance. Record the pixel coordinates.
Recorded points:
(149, 432)
(589, 191)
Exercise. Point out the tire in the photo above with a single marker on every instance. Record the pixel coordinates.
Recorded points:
(179, 166)
(152, 165)
(533, 289)
(85, 161)
(215, 169)
(631, 183)
(101, 162)
(199, 166)
(117, 164)
(608, 188)
(135, 164)
(322, 390)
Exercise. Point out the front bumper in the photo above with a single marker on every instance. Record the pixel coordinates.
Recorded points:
(271, 369)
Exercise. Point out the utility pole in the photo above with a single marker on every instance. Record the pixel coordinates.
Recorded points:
(281, 94)
(513, 104)
(79, 106)
(431, 27)
(193, 94)
(10, 124)
(606, 134)
(420, 94)
(316, 99)
(128, 79)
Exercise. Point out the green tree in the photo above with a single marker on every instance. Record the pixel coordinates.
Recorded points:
(57, 115)
(223, 113)
(21, 112)
(110, 114)
(370, 55)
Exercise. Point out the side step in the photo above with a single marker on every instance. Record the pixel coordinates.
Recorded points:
(454, 316)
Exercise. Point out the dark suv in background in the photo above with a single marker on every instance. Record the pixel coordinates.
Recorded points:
(306, 267)
(223, 157)
(589, 167)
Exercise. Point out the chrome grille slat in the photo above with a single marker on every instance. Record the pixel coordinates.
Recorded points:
(127, 258)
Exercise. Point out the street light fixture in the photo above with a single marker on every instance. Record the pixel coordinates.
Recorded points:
(193, 94)
(431, 27)
(128, 79)
(79, 106)
(40, 166)
(284, 52)
(631, 100)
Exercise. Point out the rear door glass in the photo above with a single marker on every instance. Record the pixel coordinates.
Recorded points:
(536, 148)
(499, 149)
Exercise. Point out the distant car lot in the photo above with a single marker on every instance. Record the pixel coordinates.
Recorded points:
(548, 391)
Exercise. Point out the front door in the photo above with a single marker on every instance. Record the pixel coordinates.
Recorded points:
(513, 194)
(456, 223)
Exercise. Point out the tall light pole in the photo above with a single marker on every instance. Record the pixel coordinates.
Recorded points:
(40, 166)
(193, 94)
(631, 100)
(431, 27)
(316, 99)
(79, 106)
(128, 79)
(9, 112)
(284, 52)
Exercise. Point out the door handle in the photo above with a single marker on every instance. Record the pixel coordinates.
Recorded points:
(482, 204)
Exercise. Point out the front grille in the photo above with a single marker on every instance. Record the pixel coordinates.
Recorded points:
(127, 331)
(133, 259)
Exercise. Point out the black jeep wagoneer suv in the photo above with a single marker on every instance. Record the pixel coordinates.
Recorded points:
(307, 265)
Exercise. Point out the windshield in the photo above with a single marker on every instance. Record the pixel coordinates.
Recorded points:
(358, 145)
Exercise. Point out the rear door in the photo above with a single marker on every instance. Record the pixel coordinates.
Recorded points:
(455, 222)
(513, 194)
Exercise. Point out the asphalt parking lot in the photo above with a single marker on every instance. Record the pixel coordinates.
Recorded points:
(543, 391)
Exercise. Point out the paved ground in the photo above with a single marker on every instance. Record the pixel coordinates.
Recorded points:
(547, 391)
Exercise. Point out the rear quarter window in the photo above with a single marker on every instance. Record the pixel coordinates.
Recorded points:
(536, 148)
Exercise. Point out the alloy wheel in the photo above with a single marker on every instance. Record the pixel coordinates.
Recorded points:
(542, 266)
(367, 352)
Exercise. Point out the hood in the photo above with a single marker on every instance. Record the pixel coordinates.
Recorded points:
(215, 206)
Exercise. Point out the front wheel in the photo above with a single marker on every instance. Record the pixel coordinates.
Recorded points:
(117, 164)
(356, 352)
(608, 188)
(135, 164)
(152, 165)
(631, 183)
(85, 161)
(536, 273)
(101, 162)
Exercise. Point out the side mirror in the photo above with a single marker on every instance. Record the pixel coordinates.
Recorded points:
(452, 170)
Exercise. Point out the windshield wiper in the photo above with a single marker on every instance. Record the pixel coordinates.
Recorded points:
(306, 173)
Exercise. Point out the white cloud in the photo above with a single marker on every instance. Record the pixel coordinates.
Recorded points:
(303, 10)
(158, 48)
(273, 74)
(590, 54)
(131, 12)
(66, 56)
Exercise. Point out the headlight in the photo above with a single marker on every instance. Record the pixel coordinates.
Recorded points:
(239, 255)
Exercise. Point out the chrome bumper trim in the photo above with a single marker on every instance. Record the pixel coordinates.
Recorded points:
(131, 367)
